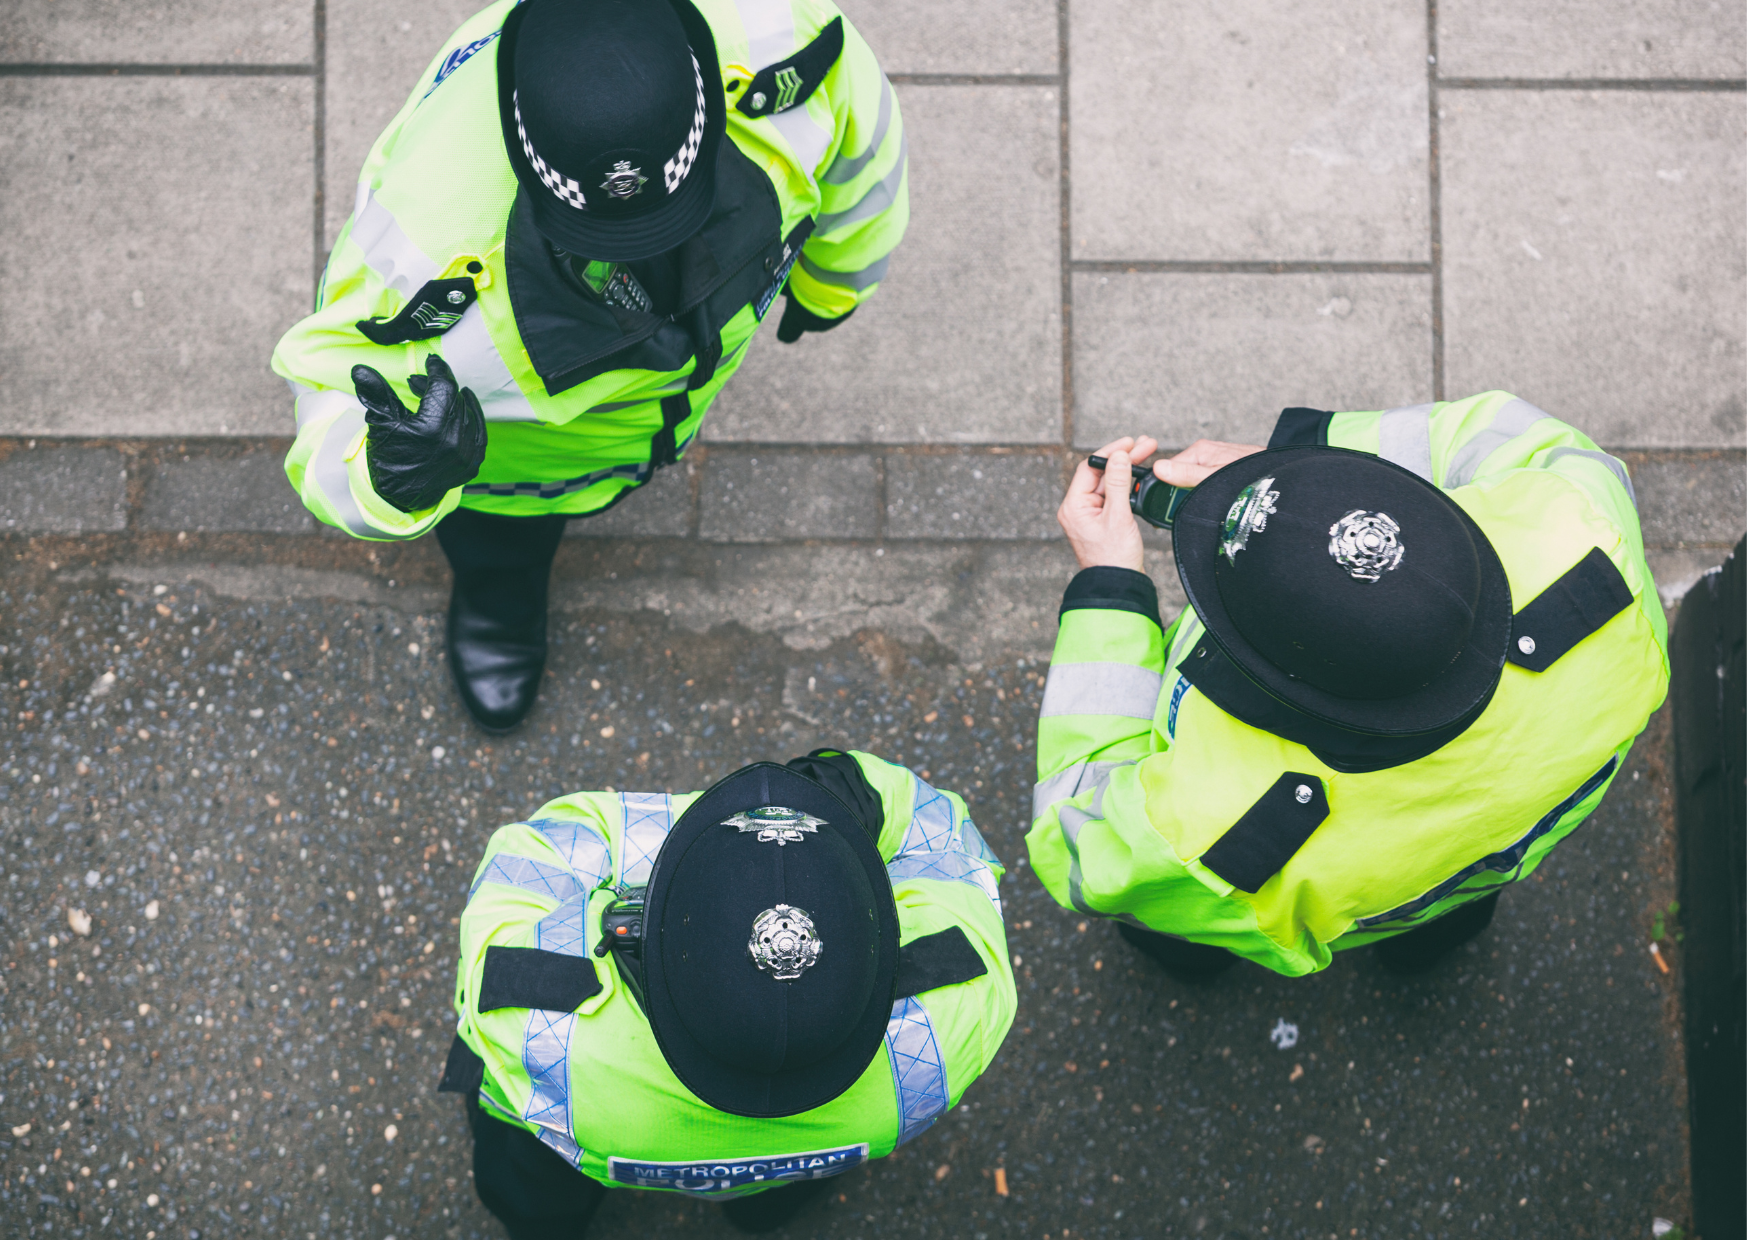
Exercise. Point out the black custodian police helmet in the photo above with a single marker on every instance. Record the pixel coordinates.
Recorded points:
(1350, 605)
(769, 955)
(612, 112)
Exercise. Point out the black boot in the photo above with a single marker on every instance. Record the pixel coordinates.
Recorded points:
(1184, 960)
(497, 610)
(773, 1208)
(1419, 949)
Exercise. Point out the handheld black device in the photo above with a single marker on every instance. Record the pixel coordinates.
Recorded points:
(1155, 502)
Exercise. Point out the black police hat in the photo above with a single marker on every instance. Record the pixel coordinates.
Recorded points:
(612, 112)
(770, 945)
(1347, 589)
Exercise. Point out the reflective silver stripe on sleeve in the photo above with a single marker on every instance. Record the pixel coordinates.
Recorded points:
(1073, 820)
(919, 1070)
(387, 250)
(527, 874)
(869, 276)
(847, 168)
(1405, 438)
(1066, 785)
(473, 356)
(1120, 689)
(1512, 419)
(313, 403)
(1601, 458)
(328, 467)
(946, 867)
(582, 848)
(546, 1055)
(931, 821)
(565, 929)
(882, 194)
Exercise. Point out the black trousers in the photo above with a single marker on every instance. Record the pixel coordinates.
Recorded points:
(486, 542)
(531, 1190)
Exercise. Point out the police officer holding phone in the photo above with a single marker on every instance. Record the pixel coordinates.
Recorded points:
(1418, 646)
(717, 994)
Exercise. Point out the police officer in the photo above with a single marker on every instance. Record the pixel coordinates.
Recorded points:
(560, 250)
(759, 986)
(1418, 647)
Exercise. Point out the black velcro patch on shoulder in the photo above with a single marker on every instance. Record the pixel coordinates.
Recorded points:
(527, 977)
(435, 308)
(1590, 594)
(945, 958)
(1255, 848)
(463, 1072)
(789, 83)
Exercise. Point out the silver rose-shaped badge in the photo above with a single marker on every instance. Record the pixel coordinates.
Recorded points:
(1365, 544)
(784, 942)
(1249, 514)
(776, 823)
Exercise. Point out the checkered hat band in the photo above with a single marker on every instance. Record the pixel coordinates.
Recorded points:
(675, 170)
(568, 191)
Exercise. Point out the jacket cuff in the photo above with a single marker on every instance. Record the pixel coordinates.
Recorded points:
(1301, 428)
(1105, 588)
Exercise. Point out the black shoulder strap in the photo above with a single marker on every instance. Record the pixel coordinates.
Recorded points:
(527, 977)
(789, 83)
(463, 1071)
(945, 958)
(435, 308)
(1590, 594)
(1255, 848)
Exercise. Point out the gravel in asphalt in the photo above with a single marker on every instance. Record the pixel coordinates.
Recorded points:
(271, 812)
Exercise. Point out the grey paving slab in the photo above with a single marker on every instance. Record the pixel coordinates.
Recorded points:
(989, 36)
(962, 341)
(219, 492)
(661, 508)
(1683, 500)
(1183, 357)
(765, 496)
(1249, 130)
(1589, 39)
(182, 32)
(154, 244)
(62, 490)
(1593, 258)
(979, 496)
(375, 56)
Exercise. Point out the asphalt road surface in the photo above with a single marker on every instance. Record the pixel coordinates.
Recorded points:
(271, 813)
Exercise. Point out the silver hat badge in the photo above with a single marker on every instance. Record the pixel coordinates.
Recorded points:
(784, 942)
(1365, 544)
(624, 180)
(1249, 514)
(776, 822)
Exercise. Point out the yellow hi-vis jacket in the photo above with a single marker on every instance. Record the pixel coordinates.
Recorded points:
(582, 405)
(1139, 775)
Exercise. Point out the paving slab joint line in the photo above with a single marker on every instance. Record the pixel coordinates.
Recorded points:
(143, 70)
(1064, 202)
(1262, 267)
(975, 79)
(1434, 206)
(1718, 85)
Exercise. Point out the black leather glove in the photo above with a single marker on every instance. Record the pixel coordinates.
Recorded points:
(417, 458)
(797, 318)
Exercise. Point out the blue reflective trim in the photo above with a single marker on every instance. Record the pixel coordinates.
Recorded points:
(931, 821)
(649, 816)
(919, 1072)
(582, 848)
(1498, 863)
(946, 867)
(565, 928)
(1177, 695)
(455, 60)
(526, 874)
(546, 1056)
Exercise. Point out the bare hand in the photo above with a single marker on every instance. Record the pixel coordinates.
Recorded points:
(1189, 467)
(1095, 513)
